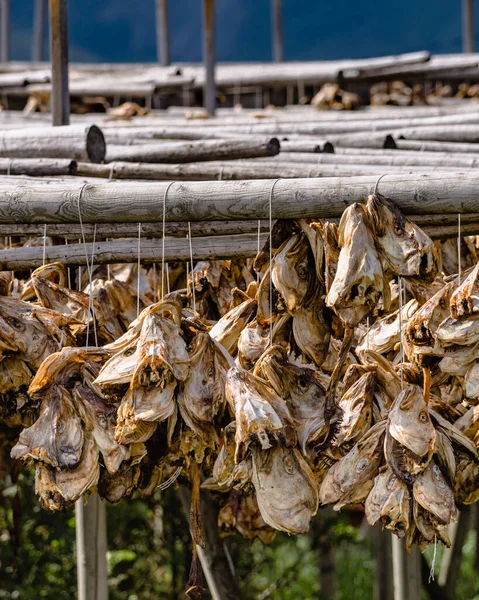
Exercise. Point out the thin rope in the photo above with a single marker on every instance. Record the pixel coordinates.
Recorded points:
(259, 245)
(192, 266)
(220, 174)
(271, 263)
(367, 334)
(377, 183)
(83, 233)
(166, 484)
(69, 275)
(108, 269)
(163, 241)
(139, 272)
(168, 278)
(44, 244)
(401, 340)
(459, 247)
(433, 562)
(91, 305)
(112, 170)
(155, 284)
(9, 166)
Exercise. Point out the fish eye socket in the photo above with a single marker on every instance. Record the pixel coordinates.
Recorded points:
(398, 230)
(303, 272)
(61, 426)
(362, 464)
(423, 417)
(16, 323)
(442, 304)
(289, 465)
(129, 352)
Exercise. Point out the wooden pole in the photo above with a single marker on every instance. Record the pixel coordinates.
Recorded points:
(406, 571)
(91, 549)
(209, 58)
(468, 26)
(59, 60)
(162, 33)
(277, 25)
(142, 202)
(38, 53)
(5, 30)
(452, 557)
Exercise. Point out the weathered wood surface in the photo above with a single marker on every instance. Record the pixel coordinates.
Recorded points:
(130, 201)
(194, 151)
(239, 170)
(101, 231)
(209, 56)
(38, 167)
(126, 251)
(438, 146)
(59, 60)
(78, 142)
(162, 33)
(314, 146)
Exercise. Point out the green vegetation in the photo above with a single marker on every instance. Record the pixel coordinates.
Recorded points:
(150, 550)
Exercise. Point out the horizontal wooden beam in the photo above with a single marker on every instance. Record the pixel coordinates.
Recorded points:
(133, 201)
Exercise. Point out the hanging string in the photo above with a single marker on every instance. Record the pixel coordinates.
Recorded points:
(377, 183)
(44, 244)
(192, 266)
(459, 247)
(401, 340)
(79, 274)
(9, 167)
(220, 174)
(271, 263)
(433, 562)
(168, 278)
(367, 334)
(155, 283)
(163, 241)
(69, 275)
(138, 273)
(112, 170)
(166, 484)
(91, 305)
(259, 245)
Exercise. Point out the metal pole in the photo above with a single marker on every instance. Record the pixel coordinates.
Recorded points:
(91, 549)
(38, 51)
(277, 24)
(5, 30)
(209, 100)
(468, 25)
(162, 33)
(59, 60)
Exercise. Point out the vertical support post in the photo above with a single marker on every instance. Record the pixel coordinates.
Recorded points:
(162, 33)
(38, 50)
(277, 26)
(383, 577)
(91, 549)
(209, 58)
(59, 60)
(5, 30)
(406, 571)
(468, 25)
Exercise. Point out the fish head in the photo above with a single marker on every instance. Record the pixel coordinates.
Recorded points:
(409, 422)
(422, 326)
(293, 271)
(357, 410)
(408, 250)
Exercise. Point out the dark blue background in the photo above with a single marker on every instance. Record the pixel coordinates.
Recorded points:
(123, 30)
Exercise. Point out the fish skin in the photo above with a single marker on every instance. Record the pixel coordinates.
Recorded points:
(358, 466)
(356, 405)
(228, 329)
(464, 302)
(408, 251)
(454, 332)
(292, 272)
(311, 330)
(359, 280)
(410, 424)
(286, 489)
(390, 501)
(434, 494)
(261, 415)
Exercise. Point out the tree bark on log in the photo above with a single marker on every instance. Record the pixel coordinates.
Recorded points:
(78, 142)
(431, 146)
(194, 151)
(38, 167)
(133, 202)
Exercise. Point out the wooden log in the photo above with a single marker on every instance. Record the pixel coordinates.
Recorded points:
(133, 202)
(445, 232)
(126, 251)
(452, 558)
(39, 18)
(59, 60)
(436, 146)
(391, 159)
(440, 133)
(91, 549)
(315, 146)
(80, 142)
(38, 167)
(277, 30)
(148, 230)
(363, 140)
(209, 56)
(232, 170)
(4, 30)
(162, 33)
(194, 151)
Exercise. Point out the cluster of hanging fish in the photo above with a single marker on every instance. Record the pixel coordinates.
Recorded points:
(341, 366)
